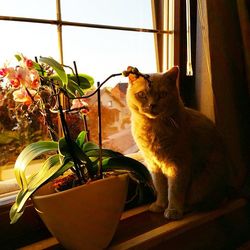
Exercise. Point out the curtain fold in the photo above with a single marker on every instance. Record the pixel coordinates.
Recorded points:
(203, 84)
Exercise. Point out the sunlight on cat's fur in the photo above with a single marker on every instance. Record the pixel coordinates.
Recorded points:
(181, 146)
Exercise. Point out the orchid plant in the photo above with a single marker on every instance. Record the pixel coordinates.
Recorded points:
(36, 86)
(41, 86)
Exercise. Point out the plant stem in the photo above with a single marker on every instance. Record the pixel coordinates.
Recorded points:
(51, 127)
(69, 142)
(84, 118)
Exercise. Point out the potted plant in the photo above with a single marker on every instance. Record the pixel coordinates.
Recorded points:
(88, 167)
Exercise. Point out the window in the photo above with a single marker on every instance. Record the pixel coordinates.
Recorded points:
(103, 37)
(110, 104)
(102, 41)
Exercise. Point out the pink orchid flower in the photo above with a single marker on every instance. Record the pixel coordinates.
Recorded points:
(34, 82)
(3, 72)
(79, 103)
(28, 63)
(19, 77)
(25, 61)
(21, 95)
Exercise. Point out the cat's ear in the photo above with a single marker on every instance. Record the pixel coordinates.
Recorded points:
(173, 73)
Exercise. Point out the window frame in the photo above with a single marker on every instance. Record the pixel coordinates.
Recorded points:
(30, 228)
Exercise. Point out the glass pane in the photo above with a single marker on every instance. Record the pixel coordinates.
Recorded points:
(29, 39)
(101, 53)
(29, 8)
(16, 130)
(130, 13)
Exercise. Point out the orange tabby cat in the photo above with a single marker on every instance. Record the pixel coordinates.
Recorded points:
(181, 146)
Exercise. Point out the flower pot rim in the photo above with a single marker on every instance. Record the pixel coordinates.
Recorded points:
(39, 196)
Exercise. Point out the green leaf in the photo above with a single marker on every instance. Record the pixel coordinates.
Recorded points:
(56, 79)
(72, 88)
(85, 81)
(49, 168)
(64, 167)
(140, 172)
(14, 216)
(57, 67)
(73, 148)
(18, 57)
(37, 67)
(51, 165)
(63, 147)
(137, 172)
(81, 155)
(80, 140)
(105, 153)
(89, 146)
(27, 155)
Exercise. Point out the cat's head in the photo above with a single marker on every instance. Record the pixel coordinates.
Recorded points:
(154, 95)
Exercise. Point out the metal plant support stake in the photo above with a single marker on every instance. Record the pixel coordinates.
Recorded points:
(99, 106)
(64, 125)
(98, 92)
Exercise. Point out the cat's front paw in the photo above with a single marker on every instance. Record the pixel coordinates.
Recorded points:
(173, 214)
(156, 208)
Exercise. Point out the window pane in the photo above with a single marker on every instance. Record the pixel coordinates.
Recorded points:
(15, 130)
(29, 39)
(130, 13)
(29, 8)
(101, 53)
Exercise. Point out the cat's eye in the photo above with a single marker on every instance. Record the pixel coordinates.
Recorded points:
(141, 95)
(163, 94)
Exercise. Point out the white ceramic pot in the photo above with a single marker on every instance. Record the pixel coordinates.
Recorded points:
(84, 217)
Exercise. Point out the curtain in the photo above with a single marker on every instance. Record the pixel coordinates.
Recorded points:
(229, 77)
(203, 85)
(158, 15)
(165, 18)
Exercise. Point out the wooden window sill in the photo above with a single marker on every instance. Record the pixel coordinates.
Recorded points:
(141, 229)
